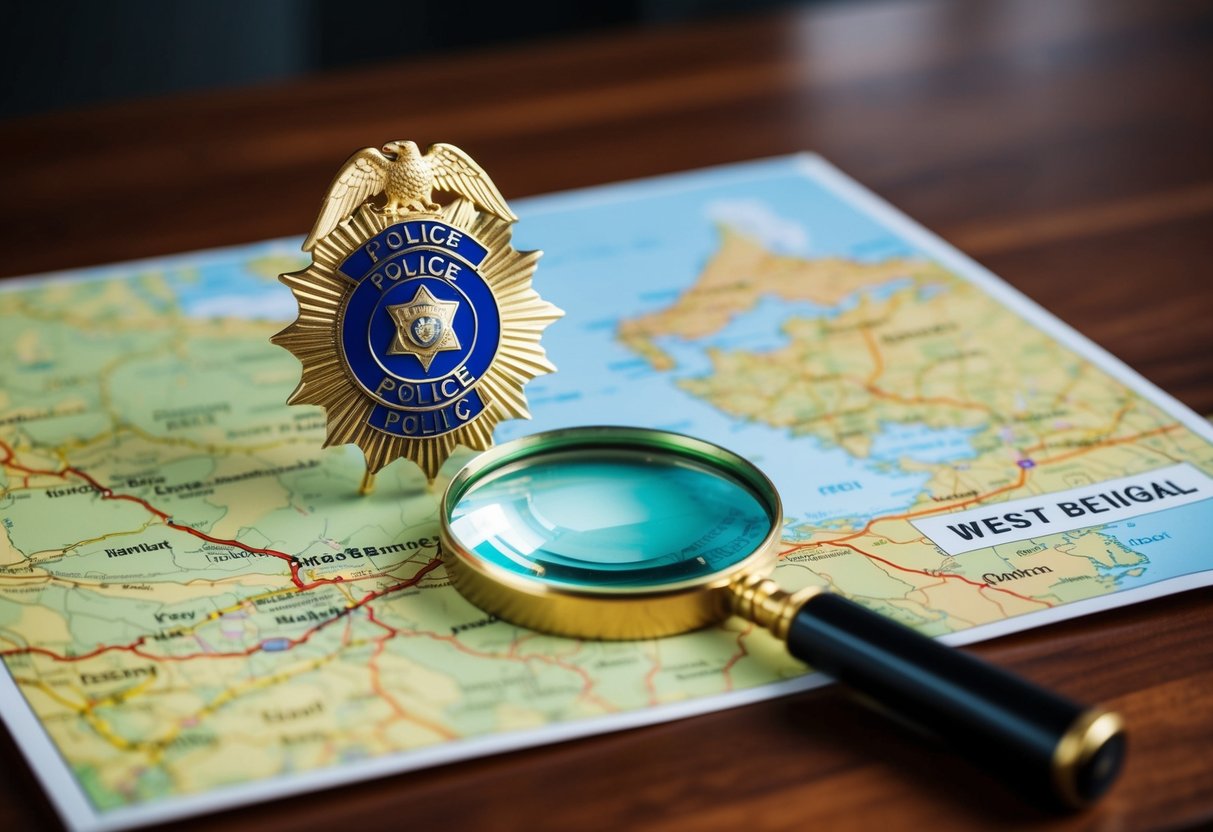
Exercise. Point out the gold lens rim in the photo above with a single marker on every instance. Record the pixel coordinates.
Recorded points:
(610, 613)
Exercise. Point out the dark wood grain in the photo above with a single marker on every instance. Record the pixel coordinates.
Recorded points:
(1067, 145)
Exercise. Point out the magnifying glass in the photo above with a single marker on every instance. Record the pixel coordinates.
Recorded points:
(627, 533)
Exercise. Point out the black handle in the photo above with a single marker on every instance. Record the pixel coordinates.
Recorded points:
(1037, 741)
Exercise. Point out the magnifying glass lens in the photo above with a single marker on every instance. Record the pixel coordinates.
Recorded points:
(616, 519)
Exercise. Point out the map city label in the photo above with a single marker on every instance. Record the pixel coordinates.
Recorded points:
(418, 326)
(120, 675)
(131, 550)
(1015, 574)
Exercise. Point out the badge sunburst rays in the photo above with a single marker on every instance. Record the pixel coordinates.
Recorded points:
(322, 292)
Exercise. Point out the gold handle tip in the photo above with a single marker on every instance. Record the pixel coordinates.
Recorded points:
(1088, 757)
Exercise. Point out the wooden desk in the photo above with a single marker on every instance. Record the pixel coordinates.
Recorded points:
(1066, 145)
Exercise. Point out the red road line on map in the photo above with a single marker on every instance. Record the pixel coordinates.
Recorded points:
(370, 614)
(291, 560)
(377, 685)
(311, 631)
(949, 575)
(650, 678)
(42, 651)
(741, 653)
(134, 646)
(108, 494)
(1001, 608)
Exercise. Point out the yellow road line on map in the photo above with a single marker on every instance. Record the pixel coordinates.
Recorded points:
(231, 694)
(51, 693)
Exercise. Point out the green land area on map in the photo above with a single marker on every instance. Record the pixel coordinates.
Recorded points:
(192, 594)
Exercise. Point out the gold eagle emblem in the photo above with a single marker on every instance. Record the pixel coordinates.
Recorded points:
(407, 179)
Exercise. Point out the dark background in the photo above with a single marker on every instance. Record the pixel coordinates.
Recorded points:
(74, 53)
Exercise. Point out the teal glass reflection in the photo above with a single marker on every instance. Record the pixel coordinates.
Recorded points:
(618, 520)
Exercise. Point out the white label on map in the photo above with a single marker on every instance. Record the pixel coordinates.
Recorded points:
(1065, 511)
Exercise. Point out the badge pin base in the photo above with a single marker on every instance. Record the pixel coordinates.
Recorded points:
(367, 486)
(418, 326)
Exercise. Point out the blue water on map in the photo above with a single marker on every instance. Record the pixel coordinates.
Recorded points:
(922, 443)
(1174, 541)
(220, 285)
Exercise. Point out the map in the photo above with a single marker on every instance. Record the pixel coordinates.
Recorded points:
(197, 609)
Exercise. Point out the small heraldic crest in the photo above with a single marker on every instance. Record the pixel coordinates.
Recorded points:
(423, 327)
(417, 325)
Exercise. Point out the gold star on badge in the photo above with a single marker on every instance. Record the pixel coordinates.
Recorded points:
(424, 327)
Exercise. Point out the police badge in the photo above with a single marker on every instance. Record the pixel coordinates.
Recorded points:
(417, 325)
